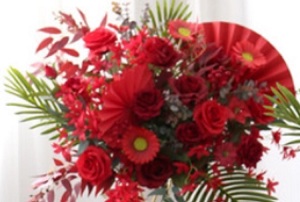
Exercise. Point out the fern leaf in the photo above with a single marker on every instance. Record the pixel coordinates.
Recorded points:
(38, 103)
(287, 108)
(236, 186)
(165, 12)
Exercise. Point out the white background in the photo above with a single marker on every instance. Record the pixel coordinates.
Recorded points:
(23, 153)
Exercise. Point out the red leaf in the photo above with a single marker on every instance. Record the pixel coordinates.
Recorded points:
(73, 199)
(68, 19)
(50, 196)
(58, 46)
(85, 185)
(104, 20)
(72, 177)
(66, 183)
(77, 189)
(50, 30)
(58, 162)
(65, 197)
(71, 52)
(44, 43)
(82, 15)
(77, 36)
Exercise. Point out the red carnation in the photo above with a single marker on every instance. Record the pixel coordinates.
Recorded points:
(225, 154)
(160, 52)
(190, 89)
(155, 173)
(249, 151)
(99, 40)
(210, 117)
(94, 165)
(188, 133)
(148, 103)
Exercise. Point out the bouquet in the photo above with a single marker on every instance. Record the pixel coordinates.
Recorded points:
(175, 107)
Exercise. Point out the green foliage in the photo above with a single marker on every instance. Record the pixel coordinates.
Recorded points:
(39, 105)
(164, 13)
(287, 109)
(236, 186)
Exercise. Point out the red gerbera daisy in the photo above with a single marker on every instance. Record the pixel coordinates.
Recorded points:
(248, 54)
(140, 145)
(182, 30)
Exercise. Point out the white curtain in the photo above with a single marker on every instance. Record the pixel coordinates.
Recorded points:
(278, 21)
(25, 153)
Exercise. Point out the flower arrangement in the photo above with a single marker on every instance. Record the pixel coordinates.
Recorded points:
(169, 105)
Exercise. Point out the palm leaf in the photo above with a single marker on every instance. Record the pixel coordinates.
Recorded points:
(37, 100)
(287, 108)
(236, 186)
(165, 12)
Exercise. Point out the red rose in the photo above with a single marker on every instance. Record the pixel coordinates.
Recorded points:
(148, 103)
(258, 111)
(155, 173)
(94, 165)
(210, 117)
(191, 89)
(188, 133)
(99, 40)
(250, 151)
(160, 53)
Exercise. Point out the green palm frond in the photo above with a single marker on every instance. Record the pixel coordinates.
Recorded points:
(236, 186)
(287, 109)
(38, 103)
(165, 12)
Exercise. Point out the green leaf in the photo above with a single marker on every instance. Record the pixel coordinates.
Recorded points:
(82, 146)
(158, 10)
(165, 12)
(37, 102)
(160, 191)
(172, 9)
(287, 110)
(293, 142)
(236, 186)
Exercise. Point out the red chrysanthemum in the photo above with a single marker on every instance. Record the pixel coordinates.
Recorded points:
(246, 53)
(250, 151)
(182, 30)
(226, 154)
(140, 145)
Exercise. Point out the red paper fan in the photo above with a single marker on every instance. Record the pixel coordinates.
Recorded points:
(228, 35)
(118, 100)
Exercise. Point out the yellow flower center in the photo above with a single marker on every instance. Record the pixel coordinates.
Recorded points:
(247, 56)
(225, 153)
(184, 31)
(140, 144)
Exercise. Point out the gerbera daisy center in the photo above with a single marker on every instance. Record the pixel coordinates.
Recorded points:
(184, 31)
(248, 56)
(140, 144)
